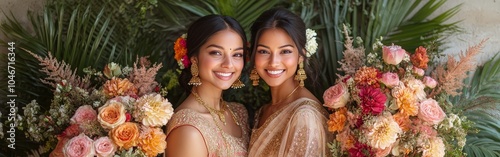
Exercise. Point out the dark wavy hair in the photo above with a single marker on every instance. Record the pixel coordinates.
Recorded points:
(199, 32)
(294, 26)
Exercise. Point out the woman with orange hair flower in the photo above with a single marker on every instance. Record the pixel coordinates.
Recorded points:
(212, 58)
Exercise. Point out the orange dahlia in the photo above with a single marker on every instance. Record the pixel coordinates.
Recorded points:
(403, 121)
(367, 76)
(420, 58)
(118, 87)
(406, 101)
(152, 141)
(337, 120)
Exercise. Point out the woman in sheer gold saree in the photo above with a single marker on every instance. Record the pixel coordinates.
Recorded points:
(294, 123)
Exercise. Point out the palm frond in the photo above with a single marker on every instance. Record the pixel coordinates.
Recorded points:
(407, 24)
(486, 142)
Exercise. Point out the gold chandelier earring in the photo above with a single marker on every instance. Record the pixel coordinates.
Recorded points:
(254, 76)
(195, 80)
(237, 84)
(301, 74)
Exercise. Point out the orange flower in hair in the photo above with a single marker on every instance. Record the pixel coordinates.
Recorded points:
(180, 50)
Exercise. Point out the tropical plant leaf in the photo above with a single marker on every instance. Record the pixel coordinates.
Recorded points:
(486, 142)
(408, 24)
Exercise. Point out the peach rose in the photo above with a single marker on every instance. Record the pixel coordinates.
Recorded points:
(83, 114)
(393, 54)
(79, 146)
(390, 79)
(104, 147)
(429, 82)
(111, 114)
(336, 96)
(430, 111)
(125, 135)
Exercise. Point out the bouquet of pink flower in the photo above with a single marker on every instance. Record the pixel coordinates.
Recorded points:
(121, 114)
(385, 105)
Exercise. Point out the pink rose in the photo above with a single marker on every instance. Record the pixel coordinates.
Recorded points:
(79, 146)
(336, 96)
(84, 114)
(104, 147)
(390, 79)
(418, 71)
(393, 54)
(429, 82)
(430, 111)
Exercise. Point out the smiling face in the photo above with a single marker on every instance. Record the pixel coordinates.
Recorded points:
(276, 57)
(220, 60)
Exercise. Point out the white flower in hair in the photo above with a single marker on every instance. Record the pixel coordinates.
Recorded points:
(311, 44)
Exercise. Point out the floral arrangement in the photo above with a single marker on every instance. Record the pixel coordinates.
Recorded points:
(386, 105)
(120, 114)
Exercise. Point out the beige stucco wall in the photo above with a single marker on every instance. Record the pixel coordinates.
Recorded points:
(19, 9)
(480, 20)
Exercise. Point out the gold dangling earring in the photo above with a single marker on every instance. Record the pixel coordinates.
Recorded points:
(195, 80)
(254, 76)
(237, 84)
(301, 74)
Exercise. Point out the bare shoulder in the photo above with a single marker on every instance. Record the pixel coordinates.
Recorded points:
(184, 141)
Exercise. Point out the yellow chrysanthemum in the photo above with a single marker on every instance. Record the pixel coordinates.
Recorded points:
(383, 131)
(337, 120)
(118, 87)
(152, 141)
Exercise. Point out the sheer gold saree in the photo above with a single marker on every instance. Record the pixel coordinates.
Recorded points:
(298, 129)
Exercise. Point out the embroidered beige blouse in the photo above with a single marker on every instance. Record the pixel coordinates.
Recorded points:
(215, 139)
(298, 129)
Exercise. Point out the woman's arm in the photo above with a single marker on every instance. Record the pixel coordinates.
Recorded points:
(185, 141)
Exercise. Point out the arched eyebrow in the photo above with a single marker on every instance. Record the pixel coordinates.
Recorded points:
(220, 47)
(287, 45)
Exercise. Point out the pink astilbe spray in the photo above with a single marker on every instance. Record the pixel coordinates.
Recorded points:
(58, 71)
(143, 77)
(451, 75)
(353, 57)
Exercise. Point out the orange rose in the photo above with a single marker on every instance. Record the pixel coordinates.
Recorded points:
(152, 141)
(125, 135)
(112, 114)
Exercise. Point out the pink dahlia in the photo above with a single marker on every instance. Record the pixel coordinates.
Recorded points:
(372, 100)
(360, 150)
